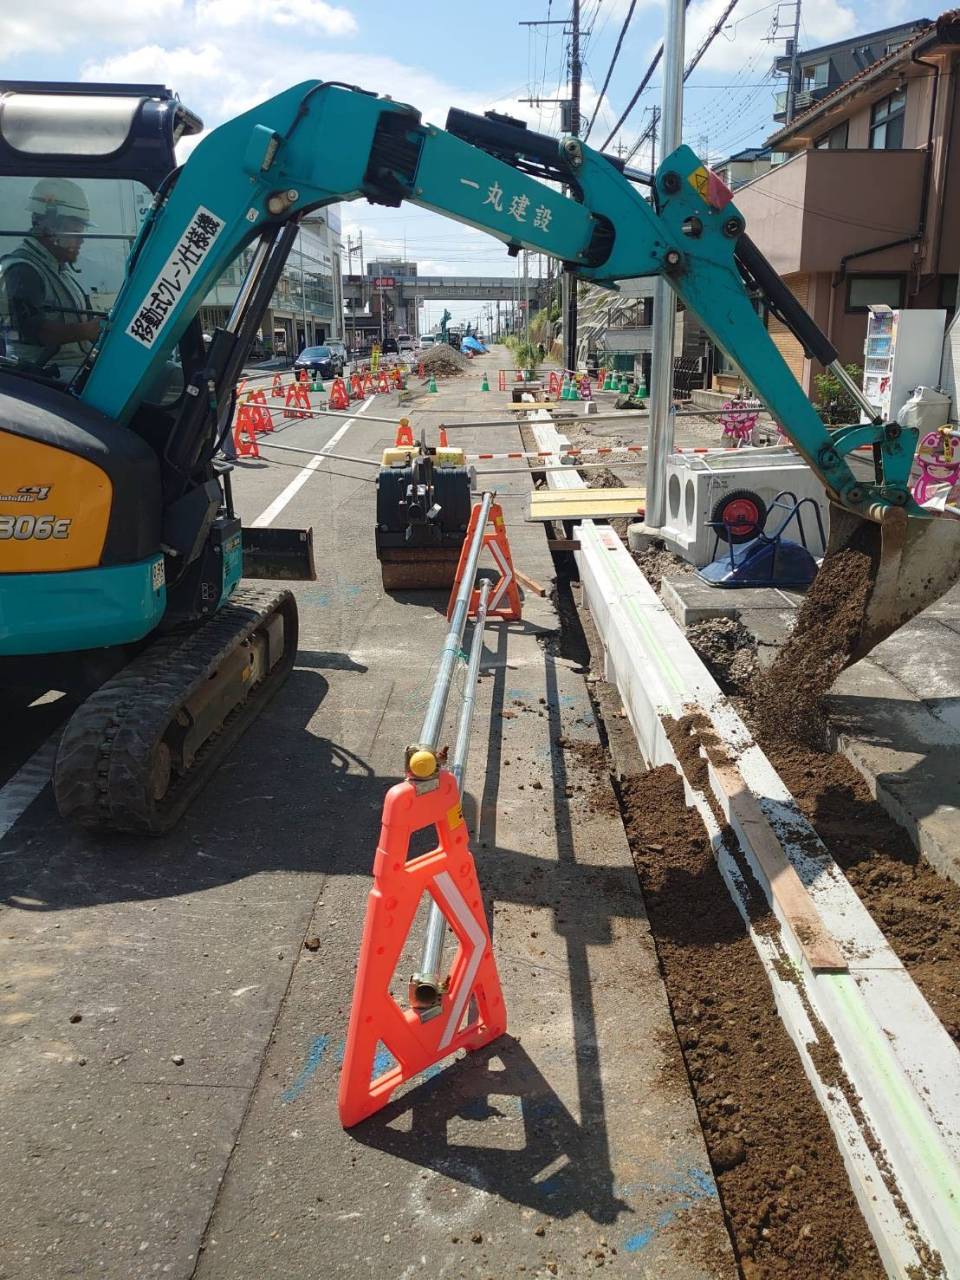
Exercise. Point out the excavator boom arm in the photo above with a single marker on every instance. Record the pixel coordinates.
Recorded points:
(318, 143)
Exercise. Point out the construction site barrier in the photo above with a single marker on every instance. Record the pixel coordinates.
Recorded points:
(505, 598)
(465, 1009)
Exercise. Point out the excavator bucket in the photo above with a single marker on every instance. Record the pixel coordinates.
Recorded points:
(896, 566)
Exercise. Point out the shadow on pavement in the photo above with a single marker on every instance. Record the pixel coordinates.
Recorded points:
(563, 1167)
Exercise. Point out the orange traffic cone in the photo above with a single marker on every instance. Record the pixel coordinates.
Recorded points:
(339, 396)
(262, 420)
(404, 434)
(444, 442)
(297, 401)
(244, 434)
(505, 588)
(448, 874)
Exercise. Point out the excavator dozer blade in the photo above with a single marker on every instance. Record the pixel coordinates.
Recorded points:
(913, 560)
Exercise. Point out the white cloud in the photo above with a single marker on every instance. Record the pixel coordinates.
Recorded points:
(45, 24)
(312, 17)
(742, 42)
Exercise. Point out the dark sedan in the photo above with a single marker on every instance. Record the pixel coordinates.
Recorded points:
(320, 360)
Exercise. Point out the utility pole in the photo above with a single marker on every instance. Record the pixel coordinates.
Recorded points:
(654, 121)
(792, 52)
(660, 433)
(794, 55)
(569, 286)
(570, 123)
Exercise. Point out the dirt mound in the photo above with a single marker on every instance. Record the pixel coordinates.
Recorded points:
(655, 562)
(782, 1181)
(786, 699)
(442, 358)
(603, 478)
(728, 651)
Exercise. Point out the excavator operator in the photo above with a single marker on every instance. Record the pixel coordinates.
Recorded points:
(49, 323)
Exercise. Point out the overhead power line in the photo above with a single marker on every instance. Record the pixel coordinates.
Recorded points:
(691, 65)
(640, 88)
(613, 63)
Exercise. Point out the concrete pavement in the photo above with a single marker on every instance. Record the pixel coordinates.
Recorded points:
(571, 1142)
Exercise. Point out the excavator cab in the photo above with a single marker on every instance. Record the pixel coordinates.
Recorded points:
(115, 534)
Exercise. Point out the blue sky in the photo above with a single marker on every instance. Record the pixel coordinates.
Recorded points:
(223, 56)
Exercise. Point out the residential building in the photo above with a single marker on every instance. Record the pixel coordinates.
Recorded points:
(307, 305)
(866, 206)
(742, 167)
(818, 72)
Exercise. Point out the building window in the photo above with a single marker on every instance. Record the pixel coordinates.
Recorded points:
(816, 77)
(835, 140)
(886, 122)
(867, 291)
(947, 292)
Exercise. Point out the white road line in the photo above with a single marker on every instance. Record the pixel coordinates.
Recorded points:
(22, 789)
(301, 478)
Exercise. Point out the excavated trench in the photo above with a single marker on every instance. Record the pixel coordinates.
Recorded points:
(783, 1186)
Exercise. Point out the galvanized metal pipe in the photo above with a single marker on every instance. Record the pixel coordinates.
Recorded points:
(664, 299)
(433, 719)
(427, 983)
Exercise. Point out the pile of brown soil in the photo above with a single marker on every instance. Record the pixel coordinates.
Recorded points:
(655, 562)
(728, 651)
(442, 358)
(784, 1189)
(602, 478)
(786, 699)
(917, 908)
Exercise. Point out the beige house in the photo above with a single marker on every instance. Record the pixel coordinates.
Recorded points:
(866, 206)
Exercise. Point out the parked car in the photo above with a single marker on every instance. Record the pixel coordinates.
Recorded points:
(390, 347)
(340, 351)
(427, 340)
(323, 360)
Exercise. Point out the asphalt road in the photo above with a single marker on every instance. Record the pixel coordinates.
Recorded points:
(169, 1049)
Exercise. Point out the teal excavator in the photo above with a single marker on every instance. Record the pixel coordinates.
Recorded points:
(120, 554)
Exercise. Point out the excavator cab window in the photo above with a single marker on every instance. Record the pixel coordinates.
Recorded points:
(63, 249)
(64, 244)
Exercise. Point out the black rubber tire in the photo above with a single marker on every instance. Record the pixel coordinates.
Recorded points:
(739, 502)
(107, 757)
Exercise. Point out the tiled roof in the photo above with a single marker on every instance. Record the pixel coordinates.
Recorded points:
(951, 18)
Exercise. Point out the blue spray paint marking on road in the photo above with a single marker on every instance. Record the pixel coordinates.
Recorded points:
(639, 1241)
(321, 597)
(315, 1056)
(383, 1060)
(689, 1186)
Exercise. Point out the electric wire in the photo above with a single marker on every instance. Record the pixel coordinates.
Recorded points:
(613, 63)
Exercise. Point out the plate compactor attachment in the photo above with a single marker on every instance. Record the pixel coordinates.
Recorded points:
(423, 509)
(886, 571)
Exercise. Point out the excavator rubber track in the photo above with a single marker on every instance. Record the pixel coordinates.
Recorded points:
(113, 771)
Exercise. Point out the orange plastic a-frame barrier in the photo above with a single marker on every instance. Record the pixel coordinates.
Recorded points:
(448, 874)
(505, 596)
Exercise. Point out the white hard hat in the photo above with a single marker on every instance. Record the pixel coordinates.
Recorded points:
(59, 198)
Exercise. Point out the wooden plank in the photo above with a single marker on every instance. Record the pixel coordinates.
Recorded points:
(530, 583)
(584, 504)
(751, 826)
